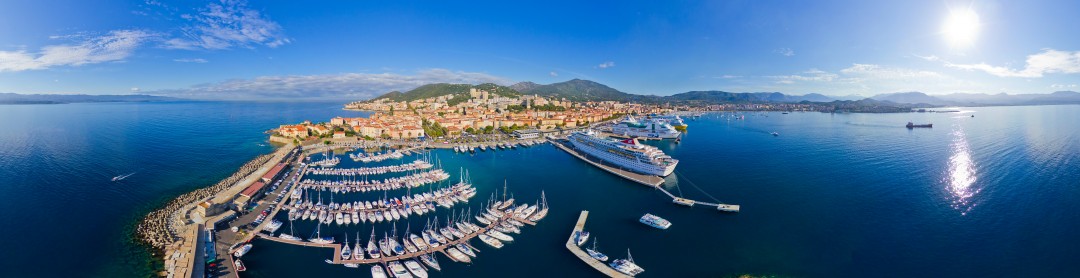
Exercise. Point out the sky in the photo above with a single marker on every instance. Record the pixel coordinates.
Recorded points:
(231, 49)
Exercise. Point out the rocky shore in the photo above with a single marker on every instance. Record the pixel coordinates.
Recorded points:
(164, 226)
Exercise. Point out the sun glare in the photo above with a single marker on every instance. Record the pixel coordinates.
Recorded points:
(961, 28)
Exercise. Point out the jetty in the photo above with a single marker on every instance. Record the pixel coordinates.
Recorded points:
(649, 180)
(382, 260)
(598, 265)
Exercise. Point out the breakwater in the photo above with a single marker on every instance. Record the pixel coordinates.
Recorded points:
(163, 226)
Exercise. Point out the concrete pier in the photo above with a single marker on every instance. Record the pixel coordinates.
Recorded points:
(598, 265)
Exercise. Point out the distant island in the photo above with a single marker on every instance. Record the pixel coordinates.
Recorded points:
(12, 98)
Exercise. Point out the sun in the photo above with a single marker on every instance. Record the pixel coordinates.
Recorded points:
(961, 28)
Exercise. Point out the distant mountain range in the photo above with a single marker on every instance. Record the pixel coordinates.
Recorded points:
(12, 98)
(585, 90)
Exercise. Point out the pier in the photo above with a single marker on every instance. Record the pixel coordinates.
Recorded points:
(651, 181)
(598, 265)
(384, 259)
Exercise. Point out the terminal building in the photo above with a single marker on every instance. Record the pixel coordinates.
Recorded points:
(527, 134)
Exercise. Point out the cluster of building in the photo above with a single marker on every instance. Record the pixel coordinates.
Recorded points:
(482, 110)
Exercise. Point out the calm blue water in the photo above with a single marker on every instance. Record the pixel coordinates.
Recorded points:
(833, 195)
(62, 215)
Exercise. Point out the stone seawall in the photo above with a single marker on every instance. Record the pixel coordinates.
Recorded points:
(162, 227)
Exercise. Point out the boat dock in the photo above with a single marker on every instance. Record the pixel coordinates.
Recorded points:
(598, 265)
(652, 181)
(382, 260)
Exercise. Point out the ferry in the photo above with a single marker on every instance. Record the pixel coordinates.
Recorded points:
(628, 154)
(627, 266)
(673, 120)
(655, 221)
(649, 128)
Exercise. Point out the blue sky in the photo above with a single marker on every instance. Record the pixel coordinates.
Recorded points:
(357, 49)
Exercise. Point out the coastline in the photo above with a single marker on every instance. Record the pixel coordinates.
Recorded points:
(166, 232)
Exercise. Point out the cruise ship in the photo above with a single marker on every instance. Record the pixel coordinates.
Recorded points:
(628, 154)
(650, 128)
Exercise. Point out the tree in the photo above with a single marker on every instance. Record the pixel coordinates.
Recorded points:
(470, 130)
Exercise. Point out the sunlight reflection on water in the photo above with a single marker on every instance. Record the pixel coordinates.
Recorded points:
(961, 175)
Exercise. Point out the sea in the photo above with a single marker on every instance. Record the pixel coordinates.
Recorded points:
(986, 192)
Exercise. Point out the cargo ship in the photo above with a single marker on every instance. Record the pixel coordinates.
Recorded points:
(912, 125)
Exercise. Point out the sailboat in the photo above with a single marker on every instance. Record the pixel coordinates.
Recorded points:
(318, 236)
(372, 248)
(358, 251)
(627, 266)
(540, 214)
(346, 251)
(595, 253)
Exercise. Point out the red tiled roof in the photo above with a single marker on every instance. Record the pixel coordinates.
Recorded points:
(252, 189)
(273, 172)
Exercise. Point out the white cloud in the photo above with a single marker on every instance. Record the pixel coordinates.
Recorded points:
(1037, 65)
(809, 75)
(135, 89)
(553, 74)
(729, 76)
(191, 60)
(786, 51)
(880, 72)
(932, 58)
(114, 46)
(226, 25)
(352, 86)
(605, 65)
(1063, 86)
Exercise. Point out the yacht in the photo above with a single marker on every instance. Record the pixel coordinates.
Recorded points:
(378, 272)
(627, 266)
(655, 221)
(398, 270)
(628, 154)
(580, 237)
(415, 268)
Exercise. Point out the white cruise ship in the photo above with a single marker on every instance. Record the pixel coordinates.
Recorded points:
(651, 128)
(628, 154)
